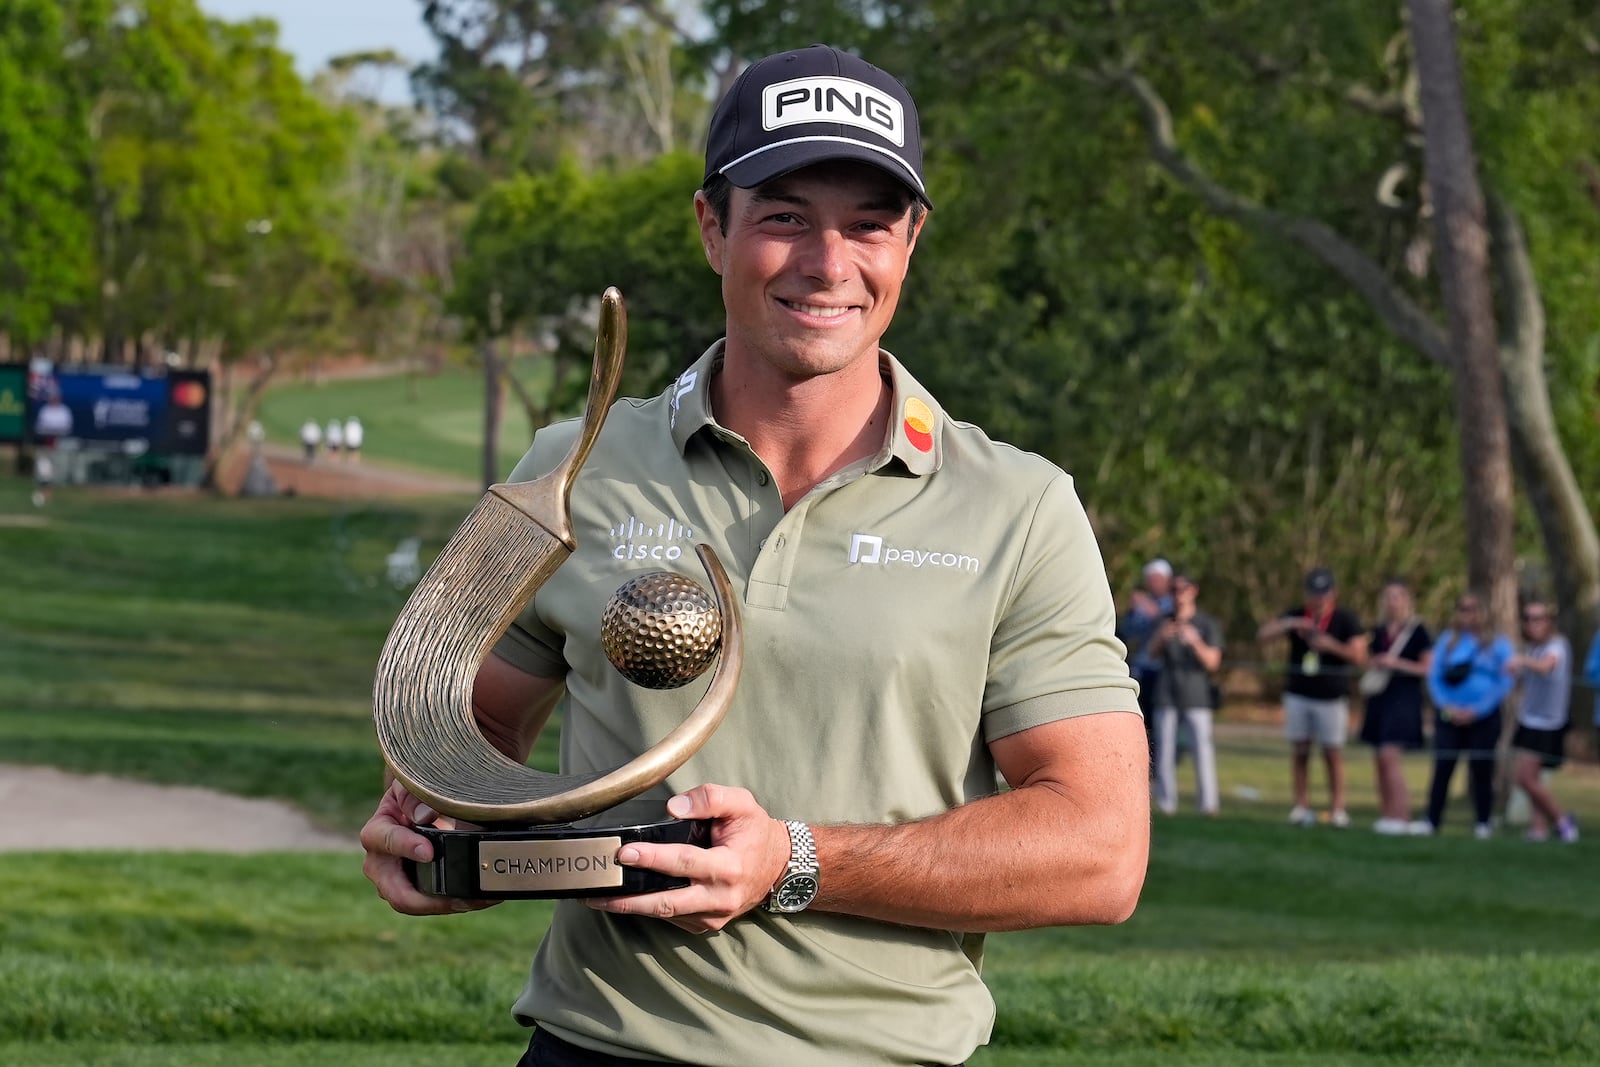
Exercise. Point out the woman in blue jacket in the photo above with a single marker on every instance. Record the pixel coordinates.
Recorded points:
(1468, 679)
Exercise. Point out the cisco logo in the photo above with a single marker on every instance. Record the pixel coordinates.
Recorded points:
(658, 541)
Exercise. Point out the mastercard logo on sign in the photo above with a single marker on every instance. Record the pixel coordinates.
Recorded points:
(189, 394)
(919, 425)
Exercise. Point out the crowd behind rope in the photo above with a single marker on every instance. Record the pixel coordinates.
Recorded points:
(1460, 681)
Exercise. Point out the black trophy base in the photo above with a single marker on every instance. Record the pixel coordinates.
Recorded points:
(577, 859)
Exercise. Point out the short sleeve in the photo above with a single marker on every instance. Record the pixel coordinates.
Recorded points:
(1054, 653)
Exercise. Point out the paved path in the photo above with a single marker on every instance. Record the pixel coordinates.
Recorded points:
(347, 479)
(51, 809)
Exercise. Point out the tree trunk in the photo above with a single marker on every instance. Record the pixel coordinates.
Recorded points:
(236, 422)
(1571, 546)
(493, 395)
(1462, 242)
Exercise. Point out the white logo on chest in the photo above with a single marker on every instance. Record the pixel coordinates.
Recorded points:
(870, 549)
(659, 541)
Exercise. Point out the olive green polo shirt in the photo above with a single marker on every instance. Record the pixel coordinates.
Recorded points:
(916, 605)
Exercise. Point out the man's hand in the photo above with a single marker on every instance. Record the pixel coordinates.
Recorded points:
(1324, 643)
(749, 852)
(388, 837)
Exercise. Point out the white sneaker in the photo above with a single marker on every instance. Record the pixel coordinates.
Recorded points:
(1339, 819)
(1390, 827)
(1483, 831)
(1420, 828)
(1302, 816)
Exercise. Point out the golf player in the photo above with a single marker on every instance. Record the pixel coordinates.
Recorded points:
(926, 613)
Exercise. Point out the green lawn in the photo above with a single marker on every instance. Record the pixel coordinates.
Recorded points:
(428, 422)
(231, 644)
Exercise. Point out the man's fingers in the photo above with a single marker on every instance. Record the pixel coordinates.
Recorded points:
(391, 839)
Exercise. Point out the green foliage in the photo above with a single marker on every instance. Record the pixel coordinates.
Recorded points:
(168, 178)
(1219, 395)
(44, 240)
(549, 241)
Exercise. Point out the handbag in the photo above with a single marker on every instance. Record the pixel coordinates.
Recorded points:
(1375, 680)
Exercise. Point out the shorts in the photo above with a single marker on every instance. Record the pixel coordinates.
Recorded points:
(1549, 745)
(1324, 721)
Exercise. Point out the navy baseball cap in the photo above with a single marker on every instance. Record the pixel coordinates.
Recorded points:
(1319, 580)
(796, 108)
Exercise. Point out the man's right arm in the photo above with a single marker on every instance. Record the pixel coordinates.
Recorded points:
(511, 707)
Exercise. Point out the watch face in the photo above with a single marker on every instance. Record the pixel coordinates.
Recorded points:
(796, 892)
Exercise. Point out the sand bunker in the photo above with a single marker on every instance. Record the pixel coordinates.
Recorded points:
(50, 809)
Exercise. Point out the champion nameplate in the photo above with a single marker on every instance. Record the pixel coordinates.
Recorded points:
(579, 863)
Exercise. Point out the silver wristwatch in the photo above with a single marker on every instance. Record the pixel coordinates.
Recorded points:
(797, 887)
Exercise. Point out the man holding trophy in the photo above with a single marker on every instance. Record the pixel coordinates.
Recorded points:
(924, 611)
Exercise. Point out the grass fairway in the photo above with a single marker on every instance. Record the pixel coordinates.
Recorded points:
(427, 422)
(231, 644)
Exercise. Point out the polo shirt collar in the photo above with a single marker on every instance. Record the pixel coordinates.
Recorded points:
(916, 421)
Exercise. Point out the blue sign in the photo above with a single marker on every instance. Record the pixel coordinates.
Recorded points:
(112, 408)
(115, 406)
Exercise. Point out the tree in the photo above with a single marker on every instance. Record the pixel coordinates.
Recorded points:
(45, 257)
(550, 244)
(1463, 249)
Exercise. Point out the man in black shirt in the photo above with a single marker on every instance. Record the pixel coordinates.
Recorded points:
(1327, 646)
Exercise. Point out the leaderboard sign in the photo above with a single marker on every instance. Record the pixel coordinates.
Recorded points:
(165, 412)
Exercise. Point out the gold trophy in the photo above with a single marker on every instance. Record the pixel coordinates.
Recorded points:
(537, 834)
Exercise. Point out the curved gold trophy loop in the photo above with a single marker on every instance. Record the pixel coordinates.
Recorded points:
(509, 546)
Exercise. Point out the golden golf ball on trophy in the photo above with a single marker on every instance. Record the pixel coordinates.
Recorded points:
(661, 630)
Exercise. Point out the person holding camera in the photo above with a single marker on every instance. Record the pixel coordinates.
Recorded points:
(1326, 642)
(1468, 680)
(1188, 646)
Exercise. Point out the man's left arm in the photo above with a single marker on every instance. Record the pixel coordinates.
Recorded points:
(1067, 845)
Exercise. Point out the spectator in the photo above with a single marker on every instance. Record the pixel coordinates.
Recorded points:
(1468, 679)
(54, 419)
(44, 476)
(1188, 647)
(1591, 678)
(353, 436)
(310, 438)
(1325, 642)
(1540, 739)
(334, 435)
(1150, 603)
(1392, 685)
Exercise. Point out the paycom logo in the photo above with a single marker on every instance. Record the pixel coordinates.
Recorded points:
(871, 549)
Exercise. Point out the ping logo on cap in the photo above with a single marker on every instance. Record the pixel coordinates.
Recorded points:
(842, 100)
